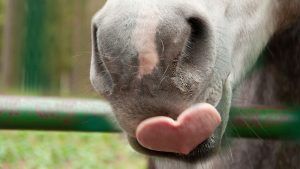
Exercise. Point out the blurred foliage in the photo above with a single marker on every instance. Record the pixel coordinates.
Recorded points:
(47, 46)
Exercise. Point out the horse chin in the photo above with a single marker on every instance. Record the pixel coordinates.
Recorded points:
(202, 152)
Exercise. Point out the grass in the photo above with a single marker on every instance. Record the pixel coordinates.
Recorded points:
(54, 150)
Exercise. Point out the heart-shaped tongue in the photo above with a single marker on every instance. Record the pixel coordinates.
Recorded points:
(192, 127)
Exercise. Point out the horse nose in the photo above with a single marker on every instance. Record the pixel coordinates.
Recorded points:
(136, 46)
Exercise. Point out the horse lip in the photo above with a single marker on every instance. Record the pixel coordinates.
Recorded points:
(192, 157)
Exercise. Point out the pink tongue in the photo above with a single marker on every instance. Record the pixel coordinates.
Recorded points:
(192, 127)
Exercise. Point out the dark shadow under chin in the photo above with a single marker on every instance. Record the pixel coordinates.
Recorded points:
(202, 152)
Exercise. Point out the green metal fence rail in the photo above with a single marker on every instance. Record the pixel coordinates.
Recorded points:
(57, 114)
(265, 122)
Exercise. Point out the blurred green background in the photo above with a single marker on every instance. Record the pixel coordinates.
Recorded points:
(45, 51)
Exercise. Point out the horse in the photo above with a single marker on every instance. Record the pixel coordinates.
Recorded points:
(172, 69)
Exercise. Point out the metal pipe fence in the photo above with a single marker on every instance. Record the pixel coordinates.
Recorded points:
(83, 115)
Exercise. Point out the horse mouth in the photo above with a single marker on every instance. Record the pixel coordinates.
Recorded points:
(202, 152)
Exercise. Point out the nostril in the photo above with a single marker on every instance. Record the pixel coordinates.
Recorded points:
(198, 27)
(94, 39)
(100, 76)
(197, 45)
(182, 43)
(198, 30)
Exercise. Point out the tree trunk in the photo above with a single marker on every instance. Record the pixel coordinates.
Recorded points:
(13, 35)
(8, 43)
